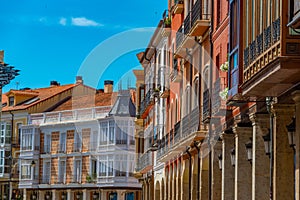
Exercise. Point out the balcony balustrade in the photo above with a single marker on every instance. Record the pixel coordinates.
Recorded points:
(254, 59)
(218, 107)
(200, 19)
(147, 102)
(144, 162)
(206, 111)
(175, 75)
(69, 115)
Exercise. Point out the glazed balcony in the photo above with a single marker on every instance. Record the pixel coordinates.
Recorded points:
(200, 19)
(144, 162)
(147, 103)
(178, 7)
(271, 63)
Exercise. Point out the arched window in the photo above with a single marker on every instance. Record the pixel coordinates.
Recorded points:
(195, 93)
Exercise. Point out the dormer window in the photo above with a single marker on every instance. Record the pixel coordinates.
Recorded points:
(11, 101)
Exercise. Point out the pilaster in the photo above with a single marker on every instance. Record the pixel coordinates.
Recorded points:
(227, 169)
(242, 180)
(296, 97)
(260, 161)
(216, 172)
(283, 179)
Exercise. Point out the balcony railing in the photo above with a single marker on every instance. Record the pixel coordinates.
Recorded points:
(178, 7)
(179, 37)
(175, 74)
(147, 102)
(69, 115)
(190, 122)
(199, 19)
(206, 105)
(262, 43)
(177, 132)
(144, 161)
(217, 103)
(187, 24)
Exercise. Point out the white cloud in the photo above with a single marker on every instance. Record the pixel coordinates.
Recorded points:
(82, 21)
(63, 21)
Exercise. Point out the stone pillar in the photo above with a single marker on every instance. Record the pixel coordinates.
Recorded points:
(204, 173)
(69, 195)
(242, 180)
(283, 179)
(216, 172)
(86, 194)
(296, 97)
(227, 169)
(260, 161)
(41, 194)
(54, 195)
(24, 194)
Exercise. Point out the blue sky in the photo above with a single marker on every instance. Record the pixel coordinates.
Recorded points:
(57, 40)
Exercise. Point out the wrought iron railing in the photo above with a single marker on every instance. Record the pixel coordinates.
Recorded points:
(179, 36)
(206, 105)
(144, 161)
(187, 24)
(177, 131)
(148, 100)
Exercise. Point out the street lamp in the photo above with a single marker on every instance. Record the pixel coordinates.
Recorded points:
(291, 132)
(32, 163)
(249, 150)
(220, 161)
(47, 195)
(267, 143)
(78, 195)
(33, 196)
(95, 195)
(63, 195)
(232, 155)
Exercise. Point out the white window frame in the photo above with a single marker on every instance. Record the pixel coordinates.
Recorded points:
(27, 139)
(2, 161)
(46, 172)
(60, 171)
(29, 170)
(103, 133)
(47, 143)
(77, 173)
(62, 148)
(78, 141)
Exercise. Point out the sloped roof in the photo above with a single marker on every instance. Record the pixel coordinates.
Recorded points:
(87, 101)
(41, 93)
(124, 105)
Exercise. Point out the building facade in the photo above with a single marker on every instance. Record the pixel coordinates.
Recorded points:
(230, 120)
(83, 149)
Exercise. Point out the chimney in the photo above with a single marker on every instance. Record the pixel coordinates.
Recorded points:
(79, 79)
(54, 83)
(108, 86)
(1, 56)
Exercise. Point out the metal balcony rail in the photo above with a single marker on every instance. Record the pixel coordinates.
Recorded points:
(69, 115)
(148, 100)
(177, 132)
(206, 105)
(144, 161)
(199, 12)
(187, 24)
(179, 36)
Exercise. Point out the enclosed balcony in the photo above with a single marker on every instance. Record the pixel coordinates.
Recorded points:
(178, 7)
(271, 63)
(200, 19)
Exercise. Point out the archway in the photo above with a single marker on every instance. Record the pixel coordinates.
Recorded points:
(185, 181)
(162, 189)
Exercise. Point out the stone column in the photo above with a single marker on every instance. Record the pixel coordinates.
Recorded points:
(204, 173)
(24, 194)
(296, 97)
(216, 172)
(86, 194)
(260, 161)
(70, 196)
(242, 180)
(41, 194)
(227, 169)
(283, 179)
(54, 195)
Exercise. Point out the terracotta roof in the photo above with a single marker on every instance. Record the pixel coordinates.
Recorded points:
(88, 101)
(41, 93)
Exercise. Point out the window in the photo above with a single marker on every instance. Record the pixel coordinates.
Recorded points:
(77, 142)
(26, 169)
(19, 133)
(94, 141)
(62, 171)
(1, 162)
(46, 172)
(122, 130)
(11, 101)
(27, 139)
(102, 168)
(93, 172)
(111, 132)
(62, 142)
(121, 165)
(5, 133)
(196, 93)
(77, 171)
(47, 143)
(103, 133)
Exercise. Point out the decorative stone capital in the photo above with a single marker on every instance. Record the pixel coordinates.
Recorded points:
(296, 96)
